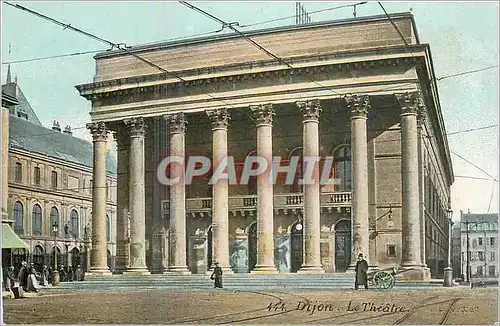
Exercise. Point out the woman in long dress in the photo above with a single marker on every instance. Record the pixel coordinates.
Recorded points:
(33, 284)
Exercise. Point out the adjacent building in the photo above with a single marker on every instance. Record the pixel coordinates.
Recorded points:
(50, 183)
(352, 91)
(479, 244)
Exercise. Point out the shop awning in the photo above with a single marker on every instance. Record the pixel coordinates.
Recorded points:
(10, 240)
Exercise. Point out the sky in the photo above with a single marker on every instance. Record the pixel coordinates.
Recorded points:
(462, 36)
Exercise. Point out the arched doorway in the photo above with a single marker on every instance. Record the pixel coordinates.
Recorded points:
(297, 246)
(38, 256)
(209, 248)
(252, 246)
(342, 245)
(75, 257)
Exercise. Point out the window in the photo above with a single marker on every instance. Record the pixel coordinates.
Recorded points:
(492, 255)
(108, 228)
(18, 217)
(480, 241)
(480, 255)
(492, 241)
(36, 178)
(74, 223)
(54, 218)
(36, 216)
(479, 271)
(474, 243)
(491, 271)
(54, 180)
(342, 168)
(107, 191)
(391, 250)
(18, 172)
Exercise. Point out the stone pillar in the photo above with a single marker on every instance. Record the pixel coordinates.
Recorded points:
(5, 169)
(137, 131)
(312, 224)
(99, 253)
(122, 247)
(177, 264)
(421, 117)
(410, 185)
(358, 107)
(220, 204)
(263, 116)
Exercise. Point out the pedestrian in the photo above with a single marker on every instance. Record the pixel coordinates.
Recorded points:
(79, 273)
(45, 276)
(23, 276)
(62, 274)
(217, 276)
(33, 285)
(50, 275)
(12, 284)
(361, 272)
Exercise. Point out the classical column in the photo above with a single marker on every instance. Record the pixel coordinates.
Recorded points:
(220, 204)
(358, 107)
(263, 116)
(421, 117)
(177, 264)
(99, 252)
(312, 226)
(410, 182)
(122, 247)
(137, 131)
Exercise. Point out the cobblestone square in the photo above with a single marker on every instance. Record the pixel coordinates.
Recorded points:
(433, 306)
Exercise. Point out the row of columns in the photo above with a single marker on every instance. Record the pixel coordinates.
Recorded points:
(131, 190)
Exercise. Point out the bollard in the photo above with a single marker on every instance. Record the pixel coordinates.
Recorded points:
(448, 277)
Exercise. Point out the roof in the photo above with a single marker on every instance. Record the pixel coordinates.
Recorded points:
(493, 217)
(10, 240)
(24, 106)
(38, 139)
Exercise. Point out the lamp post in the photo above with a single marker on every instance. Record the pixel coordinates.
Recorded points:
(55, 282)
(448, 271)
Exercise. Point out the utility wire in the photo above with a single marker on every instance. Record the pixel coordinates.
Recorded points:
(310, 13)
(52, 57)
(479, 168)
(491, 198)
(393, 24)
(466, 72)
(475, 178)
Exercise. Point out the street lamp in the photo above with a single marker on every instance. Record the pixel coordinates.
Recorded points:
(55, 282)
(448, 271)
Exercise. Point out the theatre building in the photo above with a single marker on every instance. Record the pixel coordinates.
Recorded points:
(350, 90)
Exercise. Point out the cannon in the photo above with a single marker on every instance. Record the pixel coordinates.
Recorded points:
(382, 279)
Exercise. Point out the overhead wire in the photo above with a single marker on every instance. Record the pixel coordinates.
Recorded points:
(475, 165)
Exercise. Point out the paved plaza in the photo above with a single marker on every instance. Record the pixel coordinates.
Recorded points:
(432, 306)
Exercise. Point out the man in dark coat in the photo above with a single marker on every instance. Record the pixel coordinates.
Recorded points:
(361, 272)
(23, 276)
(217, 276)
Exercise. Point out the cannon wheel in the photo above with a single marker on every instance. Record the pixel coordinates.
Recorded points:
(383, 280)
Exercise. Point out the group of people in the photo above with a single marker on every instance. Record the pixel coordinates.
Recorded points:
(31, 279)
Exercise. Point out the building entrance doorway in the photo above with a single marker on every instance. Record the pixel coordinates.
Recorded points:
(297, 247)
(342, 245)
(252, 246)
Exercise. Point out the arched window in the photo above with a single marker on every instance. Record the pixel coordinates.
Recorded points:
(36, 220)
(18, 217)
(342, 168)
(54, 218)
(108, 228)
(75, 229)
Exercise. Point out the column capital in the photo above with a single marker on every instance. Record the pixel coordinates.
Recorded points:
(176, 123)
(263, 114)
(98, 130)
(409, 102)
(310, 110)
(220, 118)
(358, 105)
(136, 127)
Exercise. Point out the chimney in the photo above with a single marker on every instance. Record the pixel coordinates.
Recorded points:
(67, 130)
(468, 211)
(56, 126)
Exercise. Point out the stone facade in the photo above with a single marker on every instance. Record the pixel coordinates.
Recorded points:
(351, 92)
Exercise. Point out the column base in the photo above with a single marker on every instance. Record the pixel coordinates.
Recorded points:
(264, 269)
(311, 270)
(177, 270)
(413, 273)
(97, 273)
(136, 271)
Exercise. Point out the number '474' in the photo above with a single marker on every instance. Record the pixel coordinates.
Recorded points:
(280, 306)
